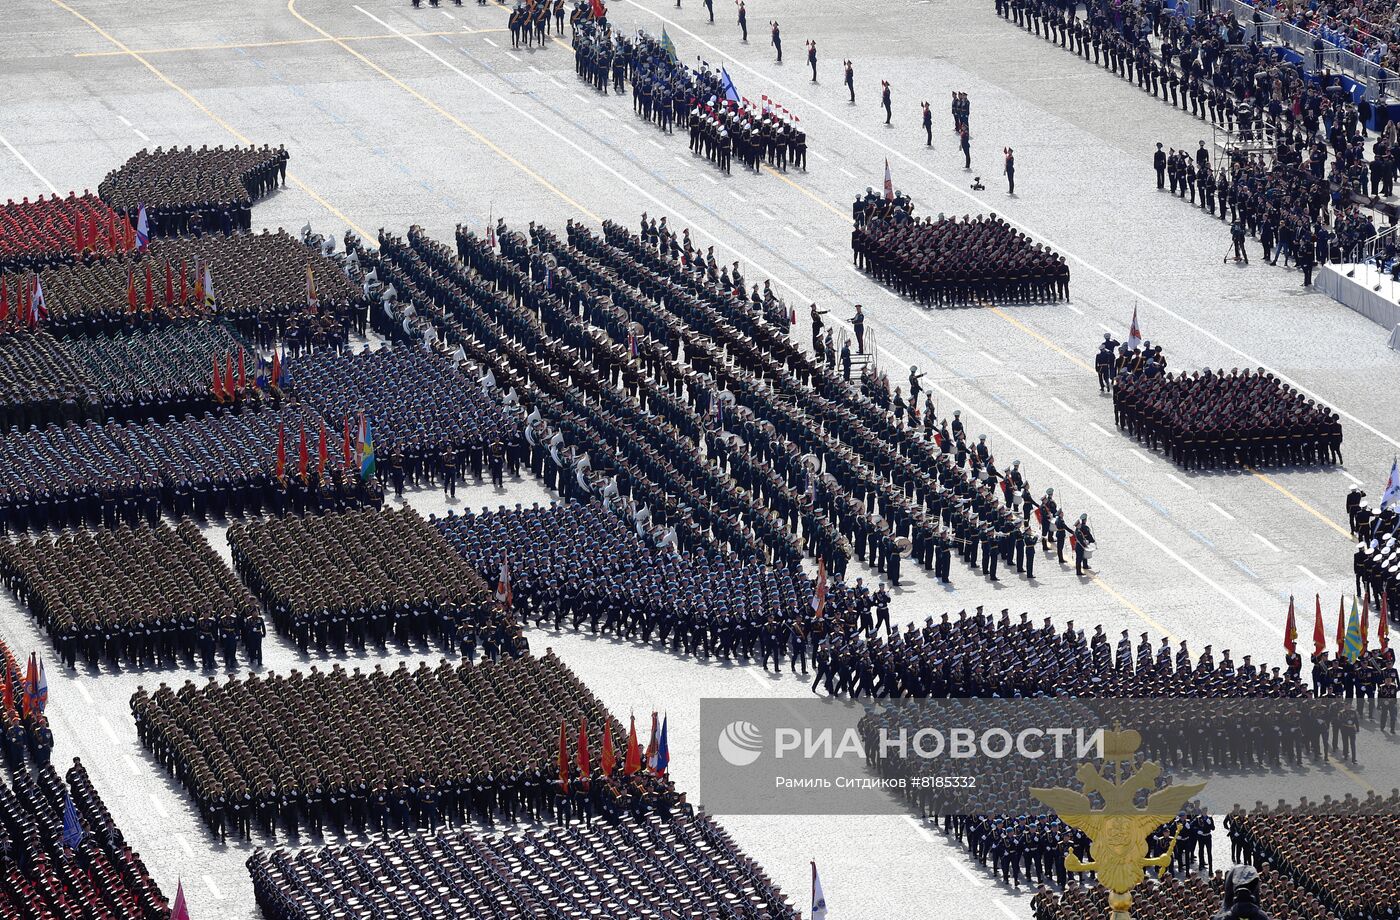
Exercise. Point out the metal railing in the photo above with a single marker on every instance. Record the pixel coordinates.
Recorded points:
(1377, 80)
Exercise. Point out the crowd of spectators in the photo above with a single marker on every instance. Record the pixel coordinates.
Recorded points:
(186, 192)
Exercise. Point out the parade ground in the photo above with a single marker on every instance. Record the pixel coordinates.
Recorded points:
(395, 116)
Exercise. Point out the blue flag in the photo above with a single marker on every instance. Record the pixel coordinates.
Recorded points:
(72, 828)
(730, 93)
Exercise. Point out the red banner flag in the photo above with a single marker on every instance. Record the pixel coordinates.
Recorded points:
(150, 291)
(322, 453)
(608, 759)
(8, 690)
(130, 290)
(184, 289)
(1290, 631)
(4, 301)
(303, 456)
(169, 285)
(1365, 624)
(633, 761)
(218, 380)
(228, 377)
(1383, 625)
(1319, 633)
(242, 371)
(563, 757)
(281, 451)
(347, 445)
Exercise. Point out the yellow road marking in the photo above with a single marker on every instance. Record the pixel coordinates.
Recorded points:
(238, 135)
(273, 44)
(1098, 581)
(1275, 484)
(477, 135)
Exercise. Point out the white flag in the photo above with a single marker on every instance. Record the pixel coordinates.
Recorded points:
(889, 182)
(818, 899)
(1392, 485)
(1134, 334)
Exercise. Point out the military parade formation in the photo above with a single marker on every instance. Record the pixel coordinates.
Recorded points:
(178, 388)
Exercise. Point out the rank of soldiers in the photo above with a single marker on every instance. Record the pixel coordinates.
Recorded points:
(357, 578)
(1212, 419)
(134, 597)
(662, 867)
(254, 280)
(952, 262)
(1376, 562)
(54, 230)
(125, 376)
(215, 464)
(430, 420)
(1191, 897)
(186, 191)
(331, 751)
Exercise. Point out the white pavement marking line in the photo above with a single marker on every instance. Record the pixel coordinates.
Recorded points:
(793, 230)
(213, 889)
(1354, 480)
(1074, 309)
(604, 112)
(630, 128)
(142, 134)
(1311, 574)
(762, 681)
(954, 187)
(26, 164)
(132, 765)
(155, 803)
(1222, 512)
(965, 872)
(491, 43)
(107, 727)
(447, 14)
(919, 826)
(971, 411)
(1260, 537)
(1141, 456)
(1008, 911)
(579, 98)
(1027, 381)
(184, 843)
(709, 178)
(853, 270)
(124, 120)
(953, 335)
(655, 143)
(556, 82)
(991, 357)
(1061, 403)
(1181, 482)
(513, 55)
(83, 692)
(681, 160)
(848, 172)
(1107, 329)
(1101, 429)
(737, 196)
(826, 252)
(820, 157)
(535, 69)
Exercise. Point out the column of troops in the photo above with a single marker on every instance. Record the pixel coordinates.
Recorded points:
(145, 596)
(216, 464)
(1190, 898)
(664, 867)
(1376, 563)
(1211, 419)
(130, 375)
(340, 751)
(430, 421)
(952, 262)
(54, 231)
(186, 192)
(357, 578)
(257, 282)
